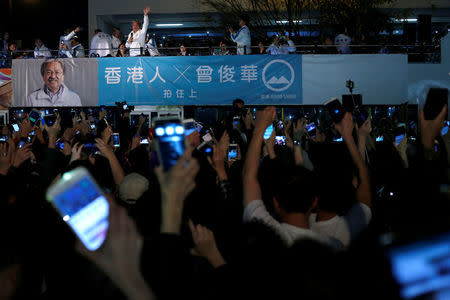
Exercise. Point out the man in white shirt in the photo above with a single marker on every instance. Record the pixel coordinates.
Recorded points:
(77, 48)
(115, 41)
(100, 44)
(281, 46)
(242, 37)
(334, 190)
(40, 51)
(136, 38)
(342, 42)
(294, 211)
(54, 92)
(68, 35)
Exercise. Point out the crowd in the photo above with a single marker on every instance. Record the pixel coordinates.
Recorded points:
(139, 42)
(295, 211)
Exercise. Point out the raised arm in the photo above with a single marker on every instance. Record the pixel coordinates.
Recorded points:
(252, 189)
(71, 35)
(117, 171)
(145, 24)
(345, 128)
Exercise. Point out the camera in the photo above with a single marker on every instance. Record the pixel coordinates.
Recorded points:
(125, 107)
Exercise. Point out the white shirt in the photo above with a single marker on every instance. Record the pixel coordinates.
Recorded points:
(43, 97)
(344, 228)
(282, 49)
(78, 51)
(151, 47)
(343, 43)
(256, 210)
(66, 39)
(242, 38)
(138, 39)
(101, 44)
(42, 52)
(115, 43)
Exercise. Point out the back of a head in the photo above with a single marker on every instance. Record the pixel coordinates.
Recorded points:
(296, 191)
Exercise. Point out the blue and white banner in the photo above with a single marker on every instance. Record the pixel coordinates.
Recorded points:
(208, 80)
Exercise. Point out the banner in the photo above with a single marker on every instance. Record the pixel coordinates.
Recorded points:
(32, 83)
(207, 80)
(5, 88)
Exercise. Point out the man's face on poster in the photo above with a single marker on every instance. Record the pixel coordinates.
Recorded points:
(53, 76)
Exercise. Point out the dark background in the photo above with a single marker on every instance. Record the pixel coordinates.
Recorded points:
(47, 19)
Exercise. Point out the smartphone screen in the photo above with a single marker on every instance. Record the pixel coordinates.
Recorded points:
(82, 205)
(379, 138)
(170, 141)
(15, 127)
(335, 109)
(34, 117)
(144, 140)
(444, 130)
(398, 139)
(232, 152)
(116, 140)
(280, 140)
(268, 132)
(338, 139)
(189, 126)
(235, 121)
(207, 137)
(50, 119)
(311, 129)
(3, 138)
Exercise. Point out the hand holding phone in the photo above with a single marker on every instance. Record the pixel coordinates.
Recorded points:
(335, 109)
(268, 132)
(82, 205)
(169, 141)
(232, 152)
(116, 140)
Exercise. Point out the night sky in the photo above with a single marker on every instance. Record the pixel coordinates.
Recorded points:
(45, 18)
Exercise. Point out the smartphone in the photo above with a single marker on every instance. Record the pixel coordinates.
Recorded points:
(280, 140)
(15, 127)
(35, 116)
(338, 139)
(207, 137)
(436, 99)
(232, 152)
(144, 140)
(82, 205)
(235, 120)
(3, 138)
(335, 109)
(116, 140)
(398, 139)
(169, 141)
(268, 132)
(60, 145)
(32, 133)
(92, 126)
(311, 129)
(189, 126)
(50, 119)
(444, 130)
(361, 117)
(206, 148)
(90, 148)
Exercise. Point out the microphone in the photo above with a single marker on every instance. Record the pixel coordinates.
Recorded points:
(132, 34)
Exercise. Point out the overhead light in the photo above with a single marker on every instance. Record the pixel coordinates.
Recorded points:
(409, 20)
(286, 21)
(169, 25)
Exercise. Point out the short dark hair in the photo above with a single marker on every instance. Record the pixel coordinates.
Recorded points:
(245, 18)
(97, 31)
(238, 101)
(296, 191)
(52, 60)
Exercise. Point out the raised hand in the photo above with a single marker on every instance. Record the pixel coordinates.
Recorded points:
(265, 118)
(430, 129)
(22, 155)
(205, 245)
(5, 158)
(76, 152)
(345, 127)
(146, 10)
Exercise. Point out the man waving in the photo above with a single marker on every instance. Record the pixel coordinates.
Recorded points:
(136, 38)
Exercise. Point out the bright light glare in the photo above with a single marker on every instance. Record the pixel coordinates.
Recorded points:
(179, 129)
(170, 130)
(169, 25)
(159, 131)
(67, 176)
(66, 218)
